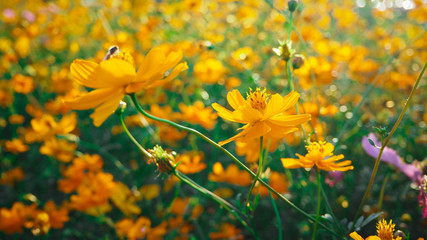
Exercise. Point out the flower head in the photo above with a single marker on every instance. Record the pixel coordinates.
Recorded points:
(321, 155)
(384, 232)
(116, 76)
(262, 114)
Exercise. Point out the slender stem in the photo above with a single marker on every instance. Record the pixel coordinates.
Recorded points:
(329, 209)
(239, 163)
(226, 205)
(276, 211)
(141, 148)
(380, 201)
(377, 162)
(319, 198)
(260, 165)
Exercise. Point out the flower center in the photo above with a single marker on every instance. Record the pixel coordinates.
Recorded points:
(114, 52)
(257, 98)
(384, 230)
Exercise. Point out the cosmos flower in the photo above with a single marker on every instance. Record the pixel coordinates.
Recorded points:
(262, 115)
(321, 155)
(384, 232)
(116, 76)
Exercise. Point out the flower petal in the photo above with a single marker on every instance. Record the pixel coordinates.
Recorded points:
(274, 106)
(106, 109)
(91, 99)
(290, 120)
(291, 163)
(115, 72)
(224, 113)
(235, 99)
(246, 114)
(82, 72)
(289, 100)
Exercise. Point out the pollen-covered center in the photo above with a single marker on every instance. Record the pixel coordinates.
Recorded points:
(384, 230)
(115, 52)
(258, 98)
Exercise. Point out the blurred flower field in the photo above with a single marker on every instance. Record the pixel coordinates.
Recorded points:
(213, 119)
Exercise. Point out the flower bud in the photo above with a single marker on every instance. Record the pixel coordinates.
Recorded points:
(285, 50)
(298, 61)
(292, 5)
(164, 161)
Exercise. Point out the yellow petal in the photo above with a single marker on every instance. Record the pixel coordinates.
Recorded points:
(289, 101)
(274, 106)
(102, 112)
(115, 72)
(239, 135)
(91, 99)
(247, 114)
(224, 113)
(82, 72)
(257, 130)
(152, 63)
(235, 99)
(291, 163)
(279, 131)
(290, 120)
(179, 68)
(355, 236)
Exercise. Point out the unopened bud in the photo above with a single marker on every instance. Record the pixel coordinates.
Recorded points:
(399, 233)
(285, 50)
(292, 5)
(164, 161)
(297, 61)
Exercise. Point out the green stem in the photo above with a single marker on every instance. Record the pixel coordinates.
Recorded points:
(142, 149)
(329, 209)
(377, 162)
(239, 163)
(276, 211)
(380, 201)
(260, 164)
(226, 205)
(319, 198)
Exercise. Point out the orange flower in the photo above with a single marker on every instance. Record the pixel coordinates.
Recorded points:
(227, 231)
(125, 199)
(191, 162)
(12, 220)
(12, 176)
(58, 148)
(384, 231)
(22, 84)
(321, 155)
(198, 114)
(15, 146)
(262, 118)
(46, 127)
(116, 76)
(57, 216)
(133, 230)
(230, 175)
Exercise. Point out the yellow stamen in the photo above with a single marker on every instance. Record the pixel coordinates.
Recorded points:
(258, 98)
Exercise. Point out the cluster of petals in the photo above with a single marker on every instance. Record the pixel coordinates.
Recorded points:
(111, 79)
(321, 155)
(268, 118)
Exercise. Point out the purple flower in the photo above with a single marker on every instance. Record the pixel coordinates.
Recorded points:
(392, 157)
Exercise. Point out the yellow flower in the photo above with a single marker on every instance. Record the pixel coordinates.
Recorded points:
(384, 230)
(15, 146)
(116, 76)
(198, 114)
(22, 84)
(230, 175)
(262, 118)
(133, 230)
(321, 155)
(125, 199)
(191, 162)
